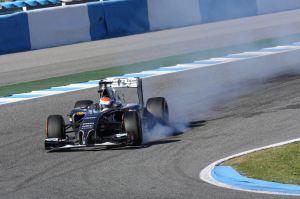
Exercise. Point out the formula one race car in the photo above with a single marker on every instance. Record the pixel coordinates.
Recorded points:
(112, 121)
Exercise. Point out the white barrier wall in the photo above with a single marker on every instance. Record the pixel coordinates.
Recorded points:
(202, 88)
(270, 6)
(58, 26)
(165, 14)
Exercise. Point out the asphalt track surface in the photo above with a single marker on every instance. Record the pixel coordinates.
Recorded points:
(58, 61)
(163, 169)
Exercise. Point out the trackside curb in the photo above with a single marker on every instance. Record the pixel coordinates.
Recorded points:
(228, 178)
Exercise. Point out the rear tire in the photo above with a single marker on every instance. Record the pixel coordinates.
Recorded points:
(55, 127)
(132, 123)
(83, 104)
(158, 107)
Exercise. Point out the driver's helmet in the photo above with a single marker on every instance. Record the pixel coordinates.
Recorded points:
(105, 102)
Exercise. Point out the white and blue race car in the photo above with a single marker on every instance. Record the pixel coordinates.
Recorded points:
(111, 121)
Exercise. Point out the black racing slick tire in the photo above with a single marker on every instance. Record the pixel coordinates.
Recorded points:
(158, 107)
(55, 127)
(132, 124)
(83, 104)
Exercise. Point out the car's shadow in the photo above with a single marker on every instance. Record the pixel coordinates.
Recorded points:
(195, 124)
(146, 145)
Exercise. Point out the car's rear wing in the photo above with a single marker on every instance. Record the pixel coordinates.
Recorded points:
(131, 82)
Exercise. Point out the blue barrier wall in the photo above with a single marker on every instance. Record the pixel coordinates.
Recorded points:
(118, 18)
(218, 10)
(98, 26)
(112, 18)
(126, 17)
(14, 33)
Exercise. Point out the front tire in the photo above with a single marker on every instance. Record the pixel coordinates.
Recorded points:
(132, 124)
(55, 127)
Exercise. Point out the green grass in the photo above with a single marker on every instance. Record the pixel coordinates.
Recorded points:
(138, 67)
(280, 164)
